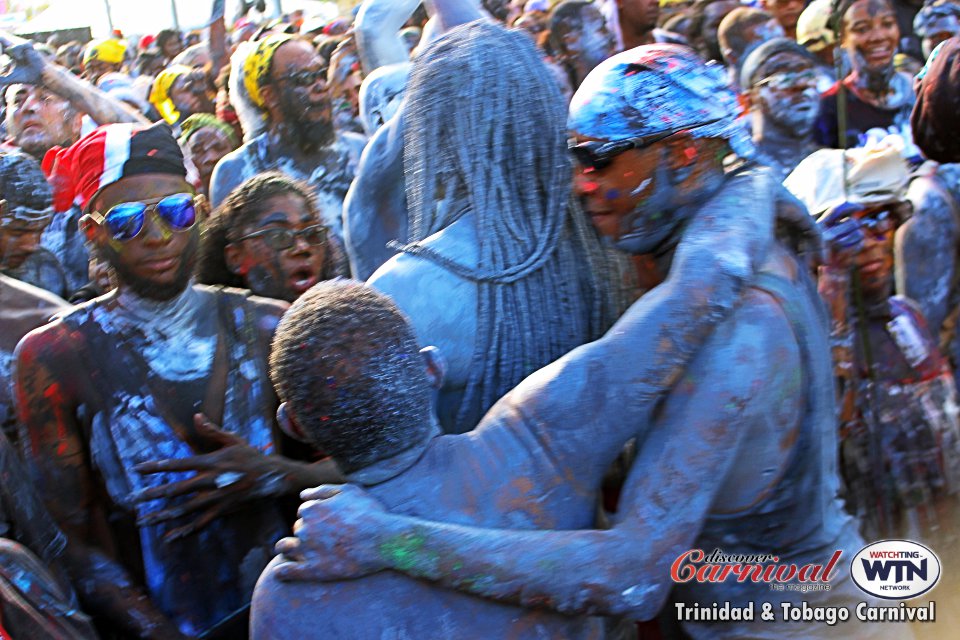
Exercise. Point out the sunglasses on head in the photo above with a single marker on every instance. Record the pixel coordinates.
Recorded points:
(283, 239)
(597, 155)
(125, 221)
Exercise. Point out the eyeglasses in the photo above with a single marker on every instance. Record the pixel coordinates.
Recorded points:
(283, 239)
(193, 83)
(125, 220)
(786, 80)
(597, 155)
(305, 78)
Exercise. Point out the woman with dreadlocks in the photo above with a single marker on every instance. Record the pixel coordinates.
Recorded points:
(502, 272)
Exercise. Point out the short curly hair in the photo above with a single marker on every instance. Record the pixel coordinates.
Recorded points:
(347, 362)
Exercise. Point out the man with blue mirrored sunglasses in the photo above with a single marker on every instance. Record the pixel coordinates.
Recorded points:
(119, 399)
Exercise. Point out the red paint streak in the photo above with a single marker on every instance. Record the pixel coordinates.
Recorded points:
(55, 396)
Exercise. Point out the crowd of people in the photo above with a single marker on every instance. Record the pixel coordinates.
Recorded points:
(698, 265)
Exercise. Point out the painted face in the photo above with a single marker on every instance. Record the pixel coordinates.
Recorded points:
(626, 199)
(713, 15)
(191, 94)
(870, 35)
(589, 43)
(267, 268)
(875, 260)
(787, 93)
(786, 12)
(205, 148)
(642, 14)
(304, 102)
(38, 120)
(158, 262)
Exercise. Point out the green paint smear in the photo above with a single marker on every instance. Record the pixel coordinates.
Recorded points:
(403, 552)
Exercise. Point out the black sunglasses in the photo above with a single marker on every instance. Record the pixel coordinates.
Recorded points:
(305, 78)
(598, 155)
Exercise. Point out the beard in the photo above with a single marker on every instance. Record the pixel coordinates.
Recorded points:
(148, 289)
(308, 134)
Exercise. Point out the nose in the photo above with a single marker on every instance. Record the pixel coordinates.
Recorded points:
(154, 232)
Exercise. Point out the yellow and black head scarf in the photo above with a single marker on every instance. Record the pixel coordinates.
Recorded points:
(160, 92)
(256, 68)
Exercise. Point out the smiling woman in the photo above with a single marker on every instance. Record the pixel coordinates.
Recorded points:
(877, 95)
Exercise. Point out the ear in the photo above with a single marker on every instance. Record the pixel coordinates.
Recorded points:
(682, 151)
(233, 256)
(289, 425)
(436, 366)
(271, 98)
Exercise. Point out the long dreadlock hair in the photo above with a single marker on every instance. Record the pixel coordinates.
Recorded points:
(485, 133)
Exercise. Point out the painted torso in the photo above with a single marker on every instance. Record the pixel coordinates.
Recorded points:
(150, 371)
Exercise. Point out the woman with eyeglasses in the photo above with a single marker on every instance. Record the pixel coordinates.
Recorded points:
(268, 237)
(877, 96)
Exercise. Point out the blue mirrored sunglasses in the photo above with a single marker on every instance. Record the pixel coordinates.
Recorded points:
(125, 221)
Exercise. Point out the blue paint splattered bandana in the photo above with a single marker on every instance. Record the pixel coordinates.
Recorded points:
(656, 88)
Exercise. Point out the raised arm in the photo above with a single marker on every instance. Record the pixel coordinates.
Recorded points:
(31, 68)
(377, 29)
(56, 458)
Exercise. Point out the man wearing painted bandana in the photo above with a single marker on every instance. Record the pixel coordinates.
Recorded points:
(284, 88)
(652, 129)
(780, 79)
(107, 390)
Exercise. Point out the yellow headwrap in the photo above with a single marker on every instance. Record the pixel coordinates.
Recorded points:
(257, 65)
(110, 51)
(160, 92)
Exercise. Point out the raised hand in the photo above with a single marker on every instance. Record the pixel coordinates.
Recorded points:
(28, 64)
(842, 233)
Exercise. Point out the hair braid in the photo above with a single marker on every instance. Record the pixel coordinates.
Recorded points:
(485, 134)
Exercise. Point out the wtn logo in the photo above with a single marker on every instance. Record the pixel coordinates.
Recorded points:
(895, 569)
(904, 570)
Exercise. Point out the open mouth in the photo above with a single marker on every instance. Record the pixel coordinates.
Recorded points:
(302, 279)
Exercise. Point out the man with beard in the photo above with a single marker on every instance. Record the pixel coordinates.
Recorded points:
(781, 81)
(285, 80)
(107, 389)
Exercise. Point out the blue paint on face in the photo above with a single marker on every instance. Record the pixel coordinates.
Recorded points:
(613, 194)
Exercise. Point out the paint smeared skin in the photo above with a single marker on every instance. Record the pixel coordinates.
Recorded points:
(720, 412)
(783, 120)
(926, 251)
(90, 430)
